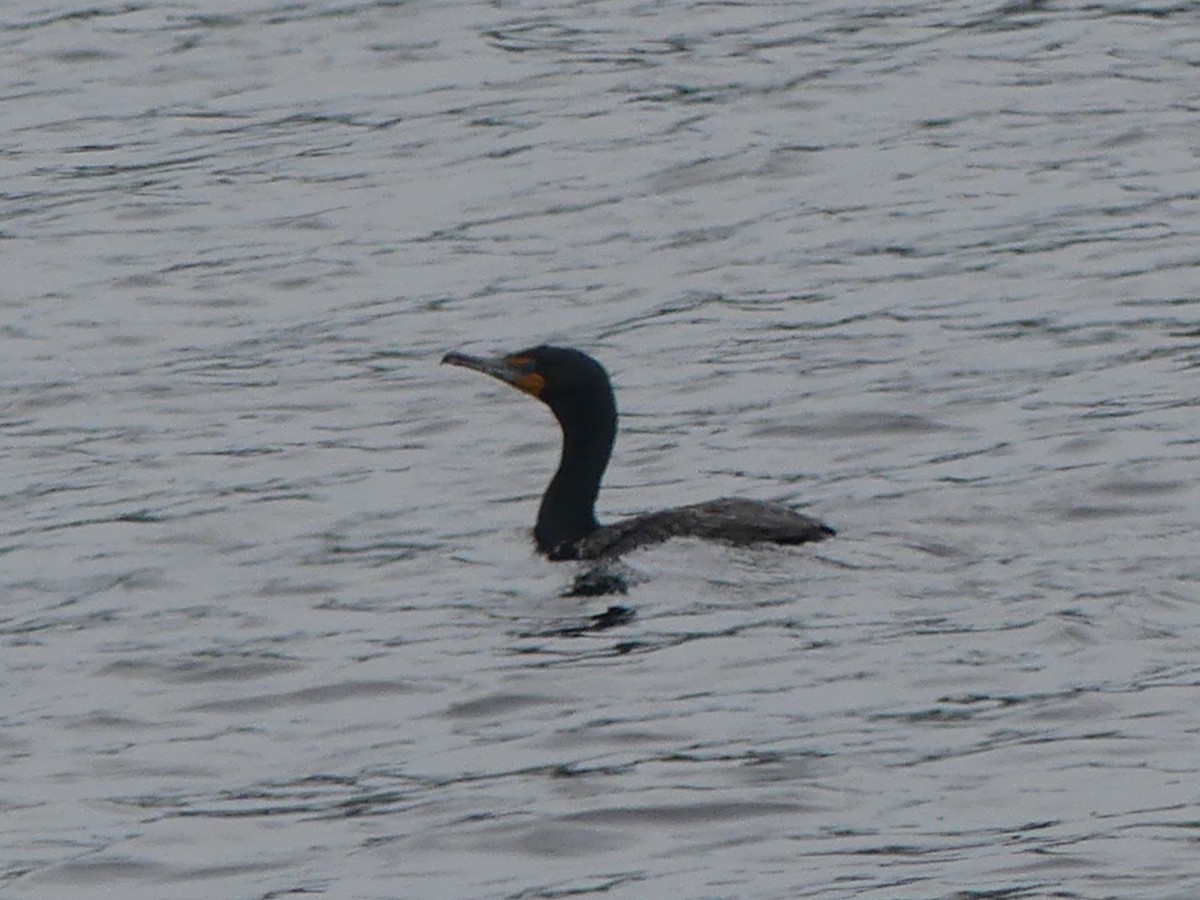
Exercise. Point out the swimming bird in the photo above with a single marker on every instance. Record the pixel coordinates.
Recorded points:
(577, 390)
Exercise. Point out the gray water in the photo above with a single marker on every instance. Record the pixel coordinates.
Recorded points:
(272, 625)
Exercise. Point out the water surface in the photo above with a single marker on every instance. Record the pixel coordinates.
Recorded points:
(272, 624)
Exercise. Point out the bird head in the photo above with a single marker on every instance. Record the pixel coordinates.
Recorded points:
(555, 375)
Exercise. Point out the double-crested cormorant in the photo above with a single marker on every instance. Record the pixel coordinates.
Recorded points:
(577, 390)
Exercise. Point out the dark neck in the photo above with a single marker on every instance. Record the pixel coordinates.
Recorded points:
(568, 510)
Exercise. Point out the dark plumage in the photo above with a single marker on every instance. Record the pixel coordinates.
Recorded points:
(578, 392)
